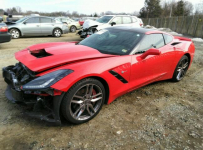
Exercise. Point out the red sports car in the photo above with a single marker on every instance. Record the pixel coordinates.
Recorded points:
(74, 79)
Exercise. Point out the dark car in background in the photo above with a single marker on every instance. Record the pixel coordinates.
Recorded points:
(4, 35)
(37, 26)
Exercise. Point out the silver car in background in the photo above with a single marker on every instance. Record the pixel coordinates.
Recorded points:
(37, 26)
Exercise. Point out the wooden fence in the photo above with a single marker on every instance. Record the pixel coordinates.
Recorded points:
(187, 25)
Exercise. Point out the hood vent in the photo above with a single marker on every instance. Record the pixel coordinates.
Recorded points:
(40, 53)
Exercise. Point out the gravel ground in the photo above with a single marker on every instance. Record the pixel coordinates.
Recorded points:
(162, 115)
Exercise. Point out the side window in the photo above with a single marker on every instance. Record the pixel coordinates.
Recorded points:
(134, 19)
(117, 20)
(151, 41)
(127, 20)
(46, 20)
(33, 20)
(168, 38)
(64, 20)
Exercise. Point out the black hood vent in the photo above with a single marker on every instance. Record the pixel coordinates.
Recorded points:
(40, 53)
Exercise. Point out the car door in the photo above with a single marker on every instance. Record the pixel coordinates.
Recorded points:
(135, 22)
(127, 21)
(153, 67)
(31, 26)
(117, 21)
(47, 25)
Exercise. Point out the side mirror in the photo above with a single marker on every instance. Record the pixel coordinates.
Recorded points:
(25, 22)
(1, 19)
(113, 23)
(151, 51)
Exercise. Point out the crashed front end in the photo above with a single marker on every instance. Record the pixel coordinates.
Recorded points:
(27, 88)
(87, 31)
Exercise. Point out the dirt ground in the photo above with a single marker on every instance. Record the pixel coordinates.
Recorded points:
(162, 115)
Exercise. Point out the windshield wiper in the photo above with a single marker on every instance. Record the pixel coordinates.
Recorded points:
(140, 52)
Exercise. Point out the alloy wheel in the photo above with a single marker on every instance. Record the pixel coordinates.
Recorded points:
(86, 102)
(182, 69)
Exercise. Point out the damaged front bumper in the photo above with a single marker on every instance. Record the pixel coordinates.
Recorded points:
(41, 104)
(85, 32)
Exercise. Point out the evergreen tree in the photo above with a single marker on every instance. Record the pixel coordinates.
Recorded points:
(151, 9)
(95, 15)
(179, 11)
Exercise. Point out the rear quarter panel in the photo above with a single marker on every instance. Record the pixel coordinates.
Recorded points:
(185, 48)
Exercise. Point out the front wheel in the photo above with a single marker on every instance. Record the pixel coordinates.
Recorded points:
(83, 101)
(181, 69)
(57, 32)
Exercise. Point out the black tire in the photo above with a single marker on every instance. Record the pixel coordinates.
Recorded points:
(15, 33)
(73, 29)
(181, 69)
(57, 32)
(71, 110)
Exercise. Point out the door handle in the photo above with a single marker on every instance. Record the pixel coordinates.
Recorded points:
(37, 25)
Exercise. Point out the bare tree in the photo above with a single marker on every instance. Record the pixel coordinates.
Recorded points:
(199, 8)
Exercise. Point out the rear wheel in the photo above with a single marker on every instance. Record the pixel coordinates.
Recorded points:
(181, 69)
(15, 33)
(57, 32)
(73, 29)
(83, 101)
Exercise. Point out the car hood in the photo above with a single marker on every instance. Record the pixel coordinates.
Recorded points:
(48, 55)
(90, 23)
(10, 23)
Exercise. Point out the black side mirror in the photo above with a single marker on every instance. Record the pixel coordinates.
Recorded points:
(113, 23)
(1, 19)
(25, 22)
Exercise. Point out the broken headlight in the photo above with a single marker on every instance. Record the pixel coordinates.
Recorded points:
(47, 80)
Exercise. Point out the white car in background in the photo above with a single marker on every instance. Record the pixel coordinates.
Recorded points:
(141, 22)
(90, 26)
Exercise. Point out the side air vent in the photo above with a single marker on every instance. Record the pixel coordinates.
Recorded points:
(175, 43)
(40, 53)
(118, 76)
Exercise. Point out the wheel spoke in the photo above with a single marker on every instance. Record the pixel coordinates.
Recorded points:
(96, 99)
(98, 94)
(91, 90)
(78, 110)
(80, 113)
(88, 110)
(179, 74)
(77, 102)
(77, 96)
(87, 89)
(185, 65)
(91, 106)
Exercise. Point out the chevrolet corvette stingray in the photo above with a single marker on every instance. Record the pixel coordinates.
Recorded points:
(74, 79)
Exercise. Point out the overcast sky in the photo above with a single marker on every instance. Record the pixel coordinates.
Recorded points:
(81, 6)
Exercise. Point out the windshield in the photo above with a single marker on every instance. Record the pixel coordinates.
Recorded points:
(113, 41)
(21, 20)
(104, 19)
